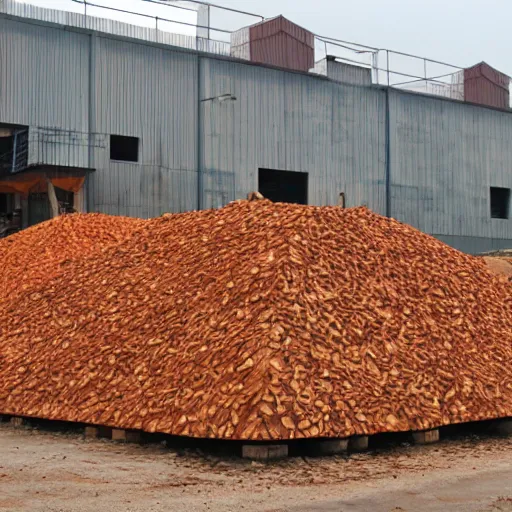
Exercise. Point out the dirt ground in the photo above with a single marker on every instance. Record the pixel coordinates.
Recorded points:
(499, 265)
(55, 472)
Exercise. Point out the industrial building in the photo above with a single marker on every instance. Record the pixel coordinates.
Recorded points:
(131, 121)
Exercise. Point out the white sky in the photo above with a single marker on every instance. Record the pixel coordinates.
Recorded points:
(461, 32)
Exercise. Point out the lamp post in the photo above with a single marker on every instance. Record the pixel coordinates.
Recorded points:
(220, 99)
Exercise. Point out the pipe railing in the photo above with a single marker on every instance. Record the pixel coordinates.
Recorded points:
(347, 51)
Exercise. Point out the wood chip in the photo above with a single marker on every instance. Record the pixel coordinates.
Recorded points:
(257, 321)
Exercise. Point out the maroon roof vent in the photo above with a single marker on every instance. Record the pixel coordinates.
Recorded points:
(486, 86)
(277, 42)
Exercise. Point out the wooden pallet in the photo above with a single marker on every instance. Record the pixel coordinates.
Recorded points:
(266, 451)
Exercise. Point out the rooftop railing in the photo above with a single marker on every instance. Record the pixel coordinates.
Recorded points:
(194, 24)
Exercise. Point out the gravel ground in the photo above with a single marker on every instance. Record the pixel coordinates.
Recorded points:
(56, 472)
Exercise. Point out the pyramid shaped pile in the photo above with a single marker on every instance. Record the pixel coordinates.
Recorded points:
(261, 321)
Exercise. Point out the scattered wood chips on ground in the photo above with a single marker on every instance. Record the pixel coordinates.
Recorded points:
(257, 321)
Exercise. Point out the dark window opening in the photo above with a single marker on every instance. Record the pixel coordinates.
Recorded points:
(13, 148)
(124, 148)
(283, 186)
(500, 199)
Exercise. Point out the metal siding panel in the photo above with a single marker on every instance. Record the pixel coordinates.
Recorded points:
(487, 86)
(281, 43)
(43, 76)
(283, 51)
(298, 123)
(445, 155)
(480, 90)
(347, 73)
(297, 32)
(106, 25)
(257, 120)
(358, 158)
(453, 153)
(273, 26)
(150, 93)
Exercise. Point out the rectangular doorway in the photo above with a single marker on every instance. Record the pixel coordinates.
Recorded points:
(283, 186)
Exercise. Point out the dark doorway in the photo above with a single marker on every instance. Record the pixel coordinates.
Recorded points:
(38, 208)
(6, 203)
(283, 186)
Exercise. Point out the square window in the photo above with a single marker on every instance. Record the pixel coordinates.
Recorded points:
(500, 199)
(125, 149)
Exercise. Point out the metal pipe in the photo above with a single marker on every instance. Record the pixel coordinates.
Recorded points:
(168, 5)
(224, 8)
(92, 118)
(410, 76)
(429, 60)
(199, 137)
(341, 42)
(431, 79)
(15, 147)
(387, 64)
(152, 17)
(330, 39)
(209, 23)
(228, 95)
(345, 47)
(388, 156)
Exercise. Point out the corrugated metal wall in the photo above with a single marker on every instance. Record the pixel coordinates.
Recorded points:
(241, 44)
(43, 76)
(293, 122)
(445, 158)
(150, 93)
(109, 26)
(445, 155)
(348, 73)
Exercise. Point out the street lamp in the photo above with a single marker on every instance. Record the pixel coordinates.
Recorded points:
(221, 99)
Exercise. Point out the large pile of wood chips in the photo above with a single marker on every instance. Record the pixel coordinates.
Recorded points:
(259, 321)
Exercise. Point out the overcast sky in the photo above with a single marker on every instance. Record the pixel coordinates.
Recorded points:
(461, 32)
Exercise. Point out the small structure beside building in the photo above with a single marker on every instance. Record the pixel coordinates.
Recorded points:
(486, 86)
(338, 70)
(276, 42)
(38, 180)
